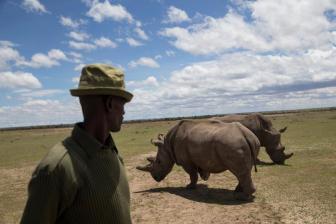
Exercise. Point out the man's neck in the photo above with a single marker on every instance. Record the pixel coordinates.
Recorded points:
(98, 130)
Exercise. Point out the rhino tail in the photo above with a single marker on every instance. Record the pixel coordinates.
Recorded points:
(253, 154)
(254, 146)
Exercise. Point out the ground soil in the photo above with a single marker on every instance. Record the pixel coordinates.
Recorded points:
(211, 202)
(168, 201)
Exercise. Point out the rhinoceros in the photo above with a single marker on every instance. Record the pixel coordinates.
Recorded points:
(206, 147)
(268, 136)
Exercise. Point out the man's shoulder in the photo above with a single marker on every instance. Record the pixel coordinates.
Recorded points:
(57, 157)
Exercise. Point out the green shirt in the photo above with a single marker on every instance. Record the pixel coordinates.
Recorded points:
(79, 181)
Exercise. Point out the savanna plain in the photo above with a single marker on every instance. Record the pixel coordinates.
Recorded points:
(301, 191)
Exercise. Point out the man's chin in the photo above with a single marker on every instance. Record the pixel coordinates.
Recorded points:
(116, 129)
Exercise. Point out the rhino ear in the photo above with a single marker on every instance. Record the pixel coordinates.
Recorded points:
(157, 142)
(282, 130)
(287, 156)
(265, 123)
(161, 137)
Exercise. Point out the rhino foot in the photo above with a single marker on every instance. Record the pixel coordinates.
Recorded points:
(241, 196)
(191, 186)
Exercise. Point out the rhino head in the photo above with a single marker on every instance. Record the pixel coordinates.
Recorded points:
(272, 142)
(162, 164)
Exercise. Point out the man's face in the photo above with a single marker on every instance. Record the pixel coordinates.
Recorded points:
(116, 113)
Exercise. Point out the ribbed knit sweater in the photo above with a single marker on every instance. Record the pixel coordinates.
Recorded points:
(79, 181)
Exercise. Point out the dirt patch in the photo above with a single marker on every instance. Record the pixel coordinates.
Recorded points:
(13, 192)
(170, 202)
(212, 202)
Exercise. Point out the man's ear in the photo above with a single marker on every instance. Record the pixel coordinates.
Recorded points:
(108, 103)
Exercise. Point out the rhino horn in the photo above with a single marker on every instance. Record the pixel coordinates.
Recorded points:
(151, 159)
(282, 130)
(147, 168)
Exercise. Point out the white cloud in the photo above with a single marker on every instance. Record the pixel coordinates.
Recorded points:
(75, 80)
(141, 33)
(241, 82)
(88, 2)
(81, 45)
(151, 81)
(215, 36)
(37, 103)
(76, 57)
(57, 54)
(68, 22)
(132, 42)
(79, 36)
(30, 94)
(293, 25)
(19, 80)
(137, 23)
(34, 6)
(41, 112)
(7, 55)
(289, 27)
(159, 56)
(79, 67)
(75, 54)
(101, 11)
(6, 43)
(40, 60)
(175, 15)
(144, 61)
(102, 42)
(170, 53)
(105, 42)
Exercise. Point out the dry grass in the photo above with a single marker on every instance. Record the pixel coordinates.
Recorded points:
(302, 191)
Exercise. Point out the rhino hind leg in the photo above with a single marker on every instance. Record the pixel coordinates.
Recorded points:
(238, 188)
(204, 174)
(245, 188)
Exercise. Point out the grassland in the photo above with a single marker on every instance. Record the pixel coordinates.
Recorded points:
(302, 191)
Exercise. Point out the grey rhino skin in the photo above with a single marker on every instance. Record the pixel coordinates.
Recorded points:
(206, 147)
(262, 127)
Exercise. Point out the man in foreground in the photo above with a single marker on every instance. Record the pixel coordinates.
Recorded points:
(82, 179)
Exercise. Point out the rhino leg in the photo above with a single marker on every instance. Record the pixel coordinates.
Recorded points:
(192, 171)
(204, 174)
(245, 187)
(238, 188)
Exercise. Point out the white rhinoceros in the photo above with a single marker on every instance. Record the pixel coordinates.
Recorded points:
(206, 147)
(268, 136)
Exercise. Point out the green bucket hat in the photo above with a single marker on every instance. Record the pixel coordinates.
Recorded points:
(101, 79)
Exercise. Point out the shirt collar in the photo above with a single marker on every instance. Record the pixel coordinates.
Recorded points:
(89, 143)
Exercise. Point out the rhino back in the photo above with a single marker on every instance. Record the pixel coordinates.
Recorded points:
(251, 121)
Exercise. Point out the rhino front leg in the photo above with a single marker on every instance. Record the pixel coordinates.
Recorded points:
(192, 171)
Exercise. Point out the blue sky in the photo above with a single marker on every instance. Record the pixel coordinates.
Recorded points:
(181, 58)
